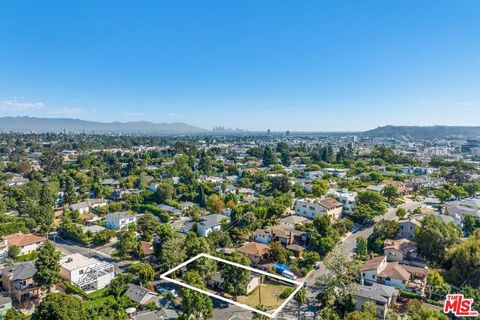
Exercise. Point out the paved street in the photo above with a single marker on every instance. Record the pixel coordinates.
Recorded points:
(225, 311)
(101, 253)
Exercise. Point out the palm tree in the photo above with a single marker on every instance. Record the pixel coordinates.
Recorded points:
(300, 298)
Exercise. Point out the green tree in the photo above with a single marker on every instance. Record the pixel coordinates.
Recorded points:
(258, 316)
(194, 246)
(464, 261)
(13, 314)
(195, 305)
(417, 311)
(144, 271)
(361, 248)
(442, 194)
(401, 213)
(13, 251)
(119, 284)
(59, 306)
(435, 236)
(48, 267)
(51, 162)
(368, 312)
(148, 224)
(268, 157)
(277, 252)
(172, 253)
(338, 284)
(127, 244)
(390, 192)
(165, 191)
(300, 298)
(235, 279)
(470, 224)
(320, 187)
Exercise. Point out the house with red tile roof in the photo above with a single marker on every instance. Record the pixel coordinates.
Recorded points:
(256, 252)
(26, 242)
(393, 274)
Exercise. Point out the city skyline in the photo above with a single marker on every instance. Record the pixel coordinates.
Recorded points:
(318, 66)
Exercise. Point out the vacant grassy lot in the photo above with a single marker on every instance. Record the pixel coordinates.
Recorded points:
(270, 295)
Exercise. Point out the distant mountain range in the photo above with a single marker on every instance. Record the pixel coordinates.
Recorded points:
(42, 125)
(428, 132)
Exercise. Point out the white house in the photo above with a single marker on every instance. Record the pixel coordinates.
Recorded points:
(336, 172)
(17, 181)
(212, 222)
(3, 250)
(311, 208)
(312, 175)
(87, 273)
(393, 274)
(82, 207)
(347, 198)
(119, 220)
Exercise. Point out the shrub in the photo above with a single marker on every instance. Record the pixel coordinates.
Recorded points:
(286, 293)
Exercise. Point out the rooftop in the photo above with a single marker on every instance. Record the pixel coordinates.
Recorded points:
(76, 261)
(20, 239)
(213, 220)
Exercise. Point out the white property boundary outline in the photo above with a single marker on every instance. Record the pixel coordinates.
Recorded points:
(270, 315)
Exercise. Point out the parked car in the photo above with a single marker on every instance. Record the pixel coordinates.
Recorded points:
(161, 289)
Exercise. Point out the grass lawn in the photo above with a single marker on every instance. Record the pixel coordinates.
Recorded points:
(270, 295)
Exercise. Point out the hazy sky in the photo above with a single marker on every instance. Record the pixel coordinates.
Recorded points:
(297, 65)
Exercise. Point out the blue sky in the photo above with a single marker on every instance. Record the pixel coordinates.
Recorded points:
(296, 65)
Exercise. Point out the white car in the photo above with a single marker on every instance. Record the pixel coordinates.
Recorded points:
(171, 291)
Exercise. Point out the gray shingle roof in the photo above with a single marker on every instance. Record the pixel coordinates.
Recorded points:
(21, 271)
(377, 292)
(213, 220)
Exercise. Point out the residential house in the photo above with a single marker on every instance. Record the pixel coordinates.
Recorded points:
(297, 250)
(293, 221)
(403, 251)
(384, 297)
(111, 183)
(118, 194)
(170, 209)
(162, 314)
(17, 181)
(26, 242)
(93, 229)
(285, 236)
(217, 280)
(375, 188)
(5, 305)
(311, 208)
(147, 249)
(408, 227)
(347, 198)
(153, 186)
(212, 222)
(336, 172)
(312, 175)
(402, 188)
(82, 207)
(119, 220)
(17, 281)
(141, 295)
(393, 274)
(89, 274)
(256, 252)
(3, 250)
